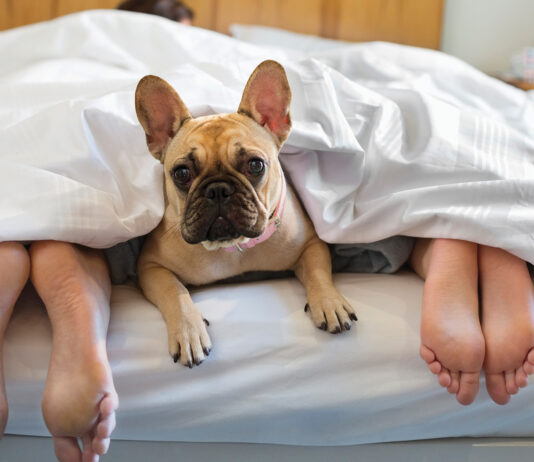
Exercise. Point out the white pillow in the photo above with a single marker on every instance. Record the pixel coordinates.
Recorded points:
(270, 36)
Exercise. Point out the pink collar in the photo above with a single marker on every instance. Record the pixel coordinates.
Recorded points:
(272, 226)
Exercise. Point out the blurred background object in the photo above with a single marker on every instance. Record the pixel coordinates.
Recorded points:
(522, 65)
(521, 70)
(170, 9)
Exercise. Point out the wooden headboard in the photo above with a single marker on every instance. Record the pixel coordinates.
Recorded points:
(412, 22)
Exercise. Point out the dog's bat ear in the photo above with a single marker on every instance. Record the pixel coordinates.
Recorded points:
(266, 99)
(160, 111)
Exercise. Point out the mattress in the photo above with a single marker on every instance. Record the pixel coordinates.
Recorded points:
(272, 377)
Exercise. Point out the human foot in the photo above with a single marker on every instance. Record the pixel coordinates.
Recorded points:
(452, 343)
(507, 322)
(79, 399)
(14, 272)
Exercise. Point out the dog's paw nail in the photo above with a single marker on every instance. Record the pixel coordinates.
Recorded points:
(175, 358)
(198, 362)
(306, 308)
(337, 330)
(323, 326)
(206, 322)
(346, 326)
(190, 364)
(353, 317)
(206, 351)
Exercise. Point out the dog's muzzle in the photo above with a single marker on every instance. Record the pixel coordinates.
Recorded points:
(219, 195)
(221, 211)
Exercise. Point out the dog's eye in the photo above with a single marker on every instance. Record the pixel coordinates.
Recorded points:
(181, 175)
(256, 166)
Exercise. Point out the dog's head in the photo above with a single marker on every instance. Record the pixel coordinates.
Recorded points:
(222, 174)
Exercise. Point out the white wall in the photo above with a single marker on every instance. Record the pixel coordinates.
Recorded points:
(485, 33)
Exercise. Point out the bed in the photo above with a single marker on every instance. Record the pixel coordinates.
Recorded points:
(294, 393)
(274, 387)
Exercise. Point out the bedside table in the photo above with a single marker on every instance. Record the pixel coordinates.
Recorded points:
(524, 85)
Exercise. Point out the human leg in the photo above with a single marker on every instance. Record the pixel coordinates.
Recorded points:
(79, 399)
(452, 343)
(507, 294)
(14, 272)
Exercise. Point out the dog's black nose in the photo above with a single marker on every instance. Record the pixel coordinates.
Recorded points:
(219, 191)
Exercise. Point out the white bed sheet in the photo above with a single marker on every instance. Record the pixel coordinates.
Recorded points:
(272, 377)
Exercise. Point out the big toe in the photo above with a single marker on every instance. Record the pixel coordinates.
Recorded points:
(468, 389)
(496, 386)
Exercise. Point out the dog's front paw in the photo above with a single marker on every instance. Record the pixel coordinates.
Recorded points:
(189, 341)
(331, 311)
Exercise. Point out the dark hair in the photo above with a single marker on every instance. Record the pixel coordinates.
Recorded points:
(170, 9)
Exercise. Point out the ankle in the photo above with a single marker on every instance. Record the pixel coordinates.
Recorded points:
(14, 273)
(454, 252)
(492, 259)
(450, 282)
(453, 262)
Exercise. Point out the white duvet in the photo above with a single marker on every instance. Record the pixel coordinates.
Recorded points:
(386, 139)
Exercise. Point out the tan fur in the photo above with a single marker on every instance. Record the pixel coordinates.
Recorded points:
(168, 263)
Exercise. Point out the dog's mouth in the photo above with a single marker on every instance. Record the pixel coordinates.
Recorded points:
(221, 229)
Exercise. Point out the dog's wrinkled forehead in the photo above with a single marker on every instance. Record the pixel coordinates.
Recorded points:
(219, 141)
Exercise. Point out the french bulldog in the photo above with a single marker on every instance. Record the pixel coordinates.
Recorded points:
(228, 208)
